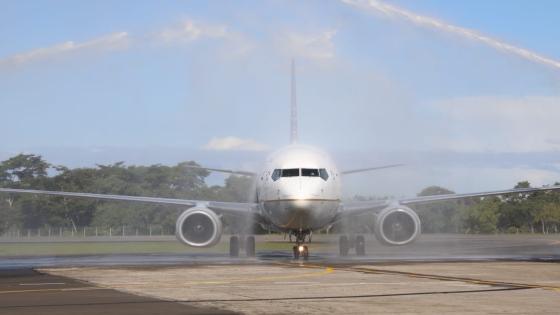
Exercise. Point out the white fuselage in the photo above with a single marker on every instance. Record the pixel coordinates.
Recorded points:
(299, 189)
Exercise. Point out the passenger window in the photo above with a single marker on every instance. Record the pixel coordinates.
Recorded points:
(323, 173)
(290, 172)
(276, 174)
(312, 172)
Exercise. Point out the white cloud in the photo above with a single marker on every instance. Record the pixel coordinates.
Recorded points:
(234, 144)
(499, 124)
(190, 30)
(107, 42)
(318, 46)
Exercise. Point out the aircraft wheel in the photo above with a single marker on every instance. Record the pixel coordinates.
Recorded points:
(360, 245)
(234, 246)
(343, 245)
(296, 252)
(250, 246)
(305, 253)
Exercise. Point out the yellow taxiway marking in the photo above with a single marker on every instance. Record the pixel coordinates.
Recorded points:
(554, 243)
(55, 290)
(435, 277)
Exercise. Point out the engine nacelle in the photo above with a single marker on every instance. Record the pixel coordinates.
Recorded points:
(398, 225)
(199, 227)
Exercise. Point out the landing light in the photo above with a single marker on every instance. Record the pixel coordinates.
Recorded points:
(301, 202)
(301, 248)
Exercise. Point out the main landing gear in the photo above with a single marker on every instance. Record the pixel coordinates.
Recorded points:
(299, 249)
(238, 242)
(345, 243)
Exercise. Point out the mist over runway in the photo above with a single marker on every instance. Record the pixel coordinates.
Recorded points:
(429, 248)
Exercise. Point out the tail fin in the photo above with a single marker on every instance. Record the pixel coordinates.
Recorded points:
(294, 118)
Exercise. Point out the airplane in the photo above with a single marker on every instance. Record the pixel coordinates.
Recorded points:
(297, 192)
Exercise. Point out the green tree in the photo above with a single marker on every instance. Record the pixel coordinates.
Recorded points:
(523, 184)
(438, 217)
(435, 190)
(23, 171)
(482, 217)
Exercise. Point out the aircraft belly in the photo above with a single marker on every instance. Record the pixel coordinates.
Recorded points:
(301, 214)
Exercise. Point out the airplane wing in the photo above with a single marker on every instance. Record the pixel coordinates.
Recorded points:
(356, 208)
(353, 208)
(220, 170)
(233, 208)
(436, 198)
(360, 170)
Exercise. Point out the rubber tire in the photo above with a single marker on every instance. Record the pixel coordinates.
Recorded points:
(305, 253)
(360, 245)
(343, 245)
(234, 246)
(296, 252)
(250, 246)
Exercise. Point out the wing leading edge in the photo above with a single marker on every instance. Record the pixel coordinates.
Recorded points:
(435, 198)
(363, 207)
(233, 208)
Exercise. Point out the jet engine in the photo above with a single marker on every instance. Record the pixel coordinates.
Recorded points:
(199, 227)
(398, 225)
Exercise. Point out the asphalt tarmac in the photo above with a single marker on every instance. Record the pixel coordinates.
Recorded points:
(27, 291)
(280, 287)
(514, 274)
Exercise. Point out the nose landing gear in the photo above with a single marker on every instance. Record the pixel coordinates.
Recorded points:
(299, 249)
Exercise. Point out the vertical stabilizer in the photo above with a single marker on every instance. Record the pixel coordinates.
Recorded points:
(293, 114)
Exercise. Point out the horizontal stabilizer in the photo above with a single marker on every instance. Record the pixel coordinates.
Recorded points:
(244, 173)
(360, 170)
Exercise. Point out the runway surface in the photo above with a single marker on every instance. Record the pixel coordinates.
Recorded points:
(26, 291)
(287, 288)
(438, 274)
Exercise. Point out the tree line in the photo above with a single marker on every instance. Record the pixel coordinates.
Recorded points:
(516, 213)
(537, 212)
(28, 171)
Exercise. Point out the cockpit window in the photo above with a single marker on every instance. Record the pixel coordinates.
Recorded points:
(312, 172)
(290, 172)
(276, 174)
(294, 172)
(323, 173)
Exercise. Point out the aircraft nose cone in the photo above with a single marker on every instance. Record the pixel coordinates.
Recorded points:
(301, 213)
(302, 188)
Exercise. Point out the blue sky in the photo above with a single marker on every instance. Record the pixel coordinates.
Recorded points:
(146, 82)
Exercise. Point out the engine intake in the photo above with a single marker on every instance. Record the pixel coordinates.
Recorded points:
(397, 226)
(199, 227)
